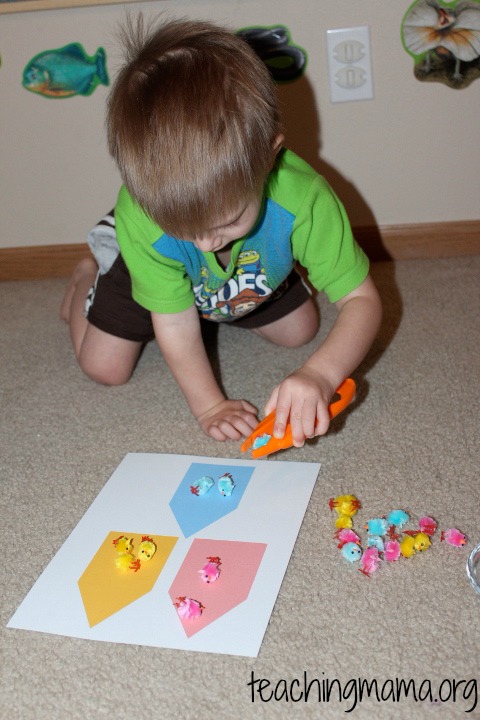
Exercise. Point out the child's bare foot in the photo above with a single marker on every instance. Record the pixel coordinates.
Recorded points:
(84, 274)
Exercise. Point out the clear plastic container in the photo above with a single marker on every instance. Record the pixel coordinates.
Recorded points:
(473, 568)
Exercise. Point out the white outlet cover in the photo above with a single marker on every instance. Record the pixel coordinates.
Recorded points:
(349, 64)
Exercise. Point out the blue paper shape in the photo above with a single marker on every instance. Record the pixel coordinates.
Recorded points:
(195, 512)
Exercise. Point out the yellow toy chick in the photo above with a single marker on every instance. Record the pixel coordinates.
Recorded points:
(410, 545)
(125, 557)
(123, 544)
(346, 507)
(146, 550)
(126, 560)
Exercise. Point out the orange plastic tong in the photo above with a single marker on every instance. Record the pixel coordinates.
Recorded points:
(346, 391)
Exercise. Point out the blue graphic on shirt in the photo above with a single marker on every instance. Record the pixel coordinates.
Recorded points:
(260, 265)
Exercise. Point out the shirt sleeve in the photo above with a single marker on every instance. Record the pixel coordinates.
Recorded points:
(323, 243)
(159, 284)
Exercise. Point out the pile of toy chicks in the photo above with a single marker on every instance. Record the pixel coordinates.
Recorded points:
(127, 558)
(386, 537)
(225, 484)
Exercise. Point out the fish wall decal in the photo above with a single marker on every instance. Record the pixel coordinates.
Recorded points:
(66, 72)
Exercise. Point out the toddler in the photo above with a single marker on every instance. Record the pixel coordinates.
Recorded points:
(212, 219)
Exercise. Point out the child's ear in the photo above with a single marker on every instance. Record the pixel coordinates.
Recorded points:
(277, 143)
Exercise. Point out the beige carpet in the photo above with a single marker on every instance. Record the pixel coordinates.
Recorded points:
(410, 441)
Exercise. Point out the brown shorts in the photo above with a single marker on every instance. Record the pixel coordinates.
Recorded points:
(111, 307)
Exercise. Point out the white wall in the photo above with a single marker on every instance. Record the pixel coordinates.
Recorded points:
(411, 155)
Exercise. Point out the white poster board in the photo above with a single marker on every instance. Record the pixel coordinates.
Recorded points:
(265, 509)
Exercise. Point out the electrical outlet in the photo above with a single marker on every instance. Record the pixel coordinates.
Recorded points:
(349, 64)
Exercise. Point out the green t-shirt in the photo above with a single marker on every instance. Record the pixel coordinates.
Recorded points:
(301, 220)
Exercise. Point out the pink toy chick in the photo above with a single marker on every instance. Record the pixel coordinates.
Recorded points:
(427, 525)
(211, 571)
(346, 535)
(453, 537)
(188, 609)
(392, 550)
(370, 561)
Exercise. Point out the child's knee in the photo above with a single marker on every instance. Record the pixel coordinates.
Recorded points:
(299, 337)
(86, 266)
(293, 330)
(105, 374)
(105, 358)
(304, 327)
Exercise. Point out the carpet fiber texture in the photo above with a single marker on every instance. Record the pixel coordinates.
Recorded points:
(409, 441)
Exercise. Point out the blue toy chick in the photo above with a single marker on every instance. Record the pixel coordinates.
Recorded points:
(226, 485)
(202, 485)
(398, 518)
(351, 552)
(375, 541)
(377, 526)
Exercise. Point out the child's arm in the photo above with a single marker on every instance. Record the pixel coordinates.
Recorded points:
(180, 340)
(303, 396)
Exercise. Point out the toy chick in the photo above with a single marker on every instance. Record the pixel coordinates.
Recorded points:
(391, 551)
(346, 535)
(124, 559)
(407, 548)
(351, 552)
(261, 440)
(123, 544)
(409, 545)
(427, 525)
(454, 537)
(202, 485)
(211, 571)
(370, 561)
(146, 549)
(376, 541)
(346, 507)
(377, 526)
(421, 541)
(344, 522)
(188, 609)
(396, 520)
(226, 485)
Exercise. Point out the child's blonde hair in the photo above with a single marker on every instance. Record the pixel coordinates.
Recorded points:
(192, 120)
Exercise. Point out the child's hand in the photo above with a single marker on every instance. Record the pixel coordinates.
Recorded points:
(229, 420)
(303, 398)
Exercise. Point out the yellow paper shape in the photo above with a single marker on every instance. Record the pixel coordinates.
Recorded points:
(105, 589)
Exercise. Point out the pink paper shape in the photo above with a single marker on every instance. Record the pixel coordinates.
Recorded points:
(240, 563)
